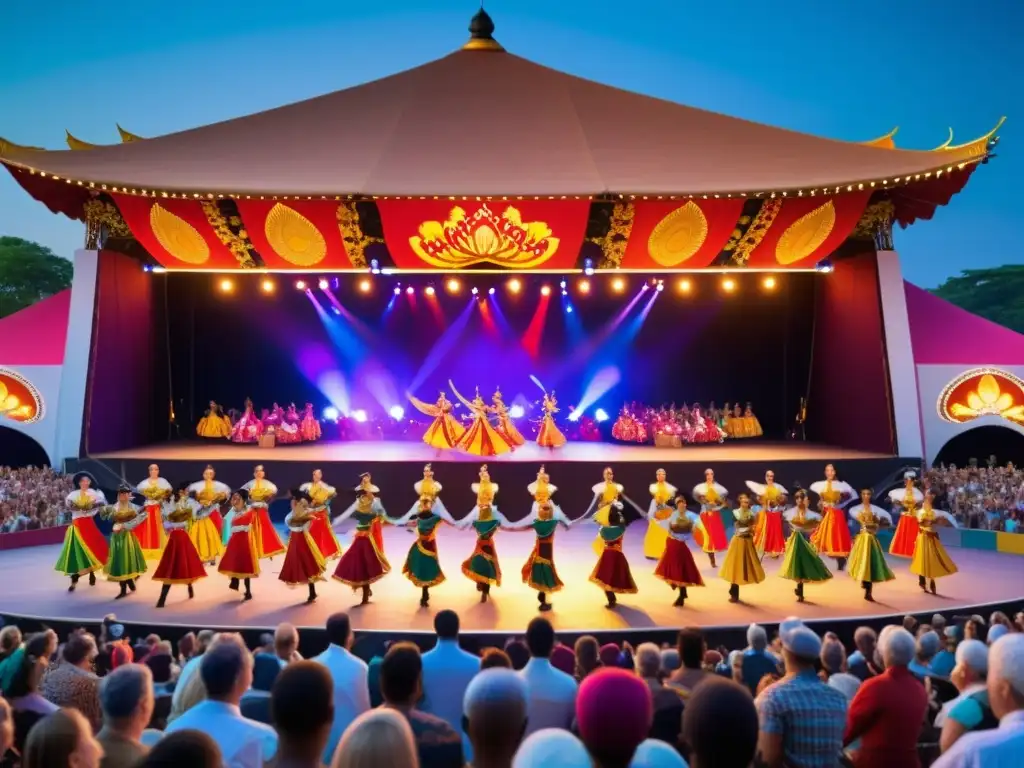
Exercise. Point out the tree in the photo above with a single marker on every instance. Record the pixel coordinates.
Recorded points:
(29, 272)
(996, 294)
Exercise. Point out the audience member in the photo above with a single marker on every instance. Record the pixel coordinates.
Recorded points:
(349, 674)
(563, 658)
(62, 739)
(495, 658)
(656, 754)
(518, 653)
(668, 704)
(861, 663)
(720, 728)
(691, 657)
(20, 676)
(970, 710)
(6, 728)
(73, 682)
(551, 747)
(995, 632)
(447, 671)
(944, 661)
(495, 717)
(10, 640)
(833, 658)
(286, 643)
(302, 711)
(614, 714)
(203, 641)
(126, 698)
(669, 661)
(191, 748)
(928, 644)
(552, 693)
(588, 657)
(380, 738)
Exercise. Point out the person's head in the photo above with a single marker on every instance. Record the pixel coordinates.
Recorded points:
(1006, 675)
(709, 475)
(286, 641)
(380, 738)
(401, 674)
(126, 698)
(865, 639)
(669, 660)
(971, 664)
(648, 660)
(80, 650)
(830, 472)
(910, 623)
(720, 725)
(736, 666)
(494, 714)
(654, 753)
(691, 647)
(611, 733)
(204, 639)
(518, 653)
(446, 625)
(540, 638)
(928, 645)
(897, 646)
(995, 632)
(495, 658)
(258, 472)
(226, 671)
(550, 747)
(801, 648)
(833, 657)
(6, 726)
(302, 708)
(10, 639)
(339, 630)
(588, 653)
(62, 739)
(196, 749)
(757, 637)
(318, 475)
(608, 475)
(660, 475)
(939, 623)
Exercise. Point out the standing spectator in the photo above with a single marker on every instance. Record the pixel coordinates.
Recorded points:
(302, 711)
(970, 710)
(691, 655)
(495, 717)
(757, 661)
(194, 749)
(351, 689)
(286, 643)
(73, 683)
(720, 726)
(612, 733)
(668, 704)
(447, 670)
(862, 661)
(126, 697)
(380, 738)
(927, 646)
(588, 656)
(62, 739)
(552, 693)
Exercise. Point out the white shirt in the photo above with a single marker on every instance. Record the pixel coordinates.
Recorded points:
(447, 670)
(243, 743)
(351, 692)
(998, 748)
(552, 702)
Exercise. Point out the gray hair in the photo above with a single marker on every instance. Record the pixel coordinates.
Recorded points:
(1006, 661)
(757, 637)
(833, 656)
(898, 647)
(124, 689)
(647, 660)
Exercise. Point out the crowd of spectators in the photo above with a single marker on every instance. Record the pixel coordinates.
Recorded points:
(910, 695)
(989, 497)
(32, 498)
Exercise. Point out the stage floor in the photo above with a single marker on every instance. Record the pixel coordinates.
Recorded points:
(984, 578)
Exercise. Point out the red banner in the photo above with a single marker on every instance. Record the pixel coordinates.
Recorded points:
(175, 232)
(679, 234)
(511, 234)
(294, 234)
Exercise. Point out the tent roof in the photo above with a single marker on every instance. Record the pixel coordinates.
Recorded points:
(36, 334)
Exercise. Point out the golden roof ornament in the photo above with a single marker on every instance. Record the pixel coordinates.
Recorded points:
(481, 33)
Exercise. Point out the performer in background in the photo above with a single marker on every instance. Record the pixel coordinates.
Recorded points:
(155, 490)
(867, 561)
(214, 425)
(751, 426)
(241, 561)
(481, 439)
(832, 536)
(658, 513)
(85, 549)
(248, 428)
(930, 560)
(309, 427)
(801, 563)
(422, 566)
(505, 426)
(549, 436)
(907, 498)
(444, 431)
(712, 498)
(303, 562)
(676, 566)
(288, 428)
(363, 563)
(377, 526)
(606, 497)
(180, 562)
(320, 495)
(125, 563)
(261, 493)
(742, 565)
(768, 536)
(539, 572)
(210, 493)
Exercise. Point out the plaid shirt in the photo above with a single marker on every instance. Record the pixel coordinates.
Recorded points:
(809, 715)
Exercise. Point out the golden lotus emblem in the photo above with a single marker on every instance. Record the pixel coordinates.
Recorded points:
(19, 399)
(983, 392)
(484, 236)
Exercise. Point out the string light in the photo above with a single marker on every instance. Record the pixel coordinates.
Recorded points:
(514, 285)
(453, 285)
(365, 285)
(267, 286)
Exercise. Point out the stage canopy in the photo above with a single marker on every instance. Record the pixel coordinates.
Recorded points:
(483, 159)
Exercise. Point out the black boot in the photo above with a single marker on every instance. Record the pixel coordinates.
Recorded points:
(485, 591)
(734, 593)
(191, 592)
(840, 564)
(131, 584)
(233, 584)
(312, 593)
(425, 598)
(867, 591)
(610, 596)
(92, 578)
(932, 587)
(800, 592)
(922, 583)
(542, 597)
(711, 557)
(681, 599)
(366, 596)
(74, 583)
(124, 590)
(248, 591)
(164, 591)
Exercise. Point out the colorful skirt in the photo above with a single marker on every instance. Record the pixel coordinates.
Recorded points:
(768, 536)
(482, 566)
(75, 558)
(303, 562)
(422, 567)
(539, 573)
(377, 533)
(676, 566)
(218, 522)
(310, 429)
(268, 543)
(91, 537)
(240, 559)
(362, 564)
(711, 533)
(612, 572)
(801, 562)
(323, 536)
(180, 563)
(481, 439)
(867, 561)
(930, 558)
(126, 560)
(832, 536)
(601, 518)
(741, 565)
(508, 431)
(151, 533)
(655, 540)
(905, 537)
(549, 436)
(206, 539)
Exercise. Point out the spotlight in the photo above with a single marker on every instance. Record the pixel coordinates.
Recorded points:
(267, 286)
(684, 285)
(660, 286)
(644, 287)
(601, 415)
(374, 267)
(359, 416)
(516, 412)
(728, 285)
(618, 285)
(335, 310)
(397, 290)
(769, 283)
(514, 285)
(323, 284)
(147, 268)
(365, 285)
(410, 291)
(226, 286)
(824, 266)
(475, 290)
(588, 266)
(429, 290)
(396, 412)
(545, 290)
(583, 286)
(331, 413)
(490, 291)
(562, 285)
(565, 292)
(453, 285)
(300, 285)
(568, 309)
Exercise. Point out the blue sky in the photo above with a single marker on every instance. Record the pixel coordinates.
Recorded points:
(843, 69)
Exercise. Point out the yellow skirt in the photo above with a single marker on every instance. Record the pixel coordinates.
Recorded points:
(741, 565)
(208, 543)
(214, 426)
(930, 558)
(601, 518)
(655, 541)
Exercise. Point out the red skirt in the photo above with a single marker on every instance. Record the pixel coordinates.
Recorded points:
(905, 537)
(768, 536)
(832, 536)
(240, 560)
(151, 532)
(92, 537)
(612, 572)
(268, 543)
(676, 567)
(303, 563)
(714, 538)
(362, 564)
(218, 520)
(180, 563)
(377, 531)
(324, 537)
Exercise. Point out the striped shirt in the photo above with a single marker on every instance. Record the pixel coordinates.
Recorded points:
(809, 715)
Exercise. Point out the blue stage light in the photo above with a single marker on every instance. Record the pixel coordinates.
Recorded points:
(374, 266)
(331, 413)
(396, 412)
(569, 309)
(335, 310)
(588, 266)
(823, 266)
(562, 285)
(516, 412)
(397, 290)
(359, 416)
(601, 415)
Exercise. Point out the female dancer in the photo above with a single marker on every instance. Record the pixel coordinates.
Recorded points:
(930, 561)
(214, 425)
(505, 426)
(832, 536)
(363, 563)
(742, 566)
(422, 566)
(712, 498)
(549, 436)
(907, 497)
(606, 496)
(210, 494)
(288, 429)
(658, 514)
(768, 537)
(867, 562)
(309, 427)
(751, 425)
(248, 428)
(85, 550)
(320, 495)
(539, 571)
(125, 563)
(151, 534)
(428, 486)
(444, 431)
(676, 566)
(261, 493)
(303, 562)
(482, 566)
(180, 562)
(612, 572)
(241, 561)
(481, 439)
(377, 526)
(801, 563)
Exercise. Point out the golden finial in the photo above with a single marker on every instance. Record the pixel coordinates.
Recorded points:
(481, 33)
(76, 143)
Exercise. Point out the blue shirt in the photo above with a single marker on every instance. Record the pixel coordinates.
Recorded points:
(243, 743)
(447, 671)
(919, 670)
(809, 715)
(943, 663)
(757, 664)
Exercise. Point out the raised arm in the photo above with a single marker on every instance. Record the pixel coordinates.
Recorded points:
(426, 409)
(461, 399)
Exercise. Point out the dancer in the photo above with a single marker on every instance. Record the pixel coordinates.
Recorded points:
(907, 498)
(539, 572)
(241, 561)
(428, 486)
(309, 427)
(751, 426)
(482, 566)
(606, 497)
(676, 566)
(768, 537)
(444, 431)
(801, 563)
(320, 495)
(85, 550)
(548, 436)
(377, 526)
(261, 493)
(363, 563)
(505, 426)
(742, 565)
(303, 561)
(867, 561)
(422, 566)
(248, 428)
(210, 494)
(125, 563)
(931, 561)
(658, 513)
(151, 534)
(832, 536)
(612, 572)
(288, 428)
(214, 425)
(180, 562)
(712, 498)
(481, 439)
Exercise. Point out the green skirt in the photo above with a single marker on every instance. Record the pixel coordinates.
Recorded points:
(867, 561)
(801, 563)
(126, 560)
(422, 568)
(75, 559)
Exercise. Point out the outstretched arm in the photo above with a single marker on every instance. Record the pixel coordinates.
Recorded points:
(461, 399)
(559, 515)
(404, 518)
(469, 519)
(520, 525)
(633, 504)
(425, 408)
(344, 515)
(591, 509)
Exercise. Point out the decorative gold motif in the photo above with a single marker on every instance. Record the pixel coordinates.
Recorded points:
(20, 400)
(877, 216)
(678, 236)
(352, 234)
(946, 143)
(806, 235)
(126, 137)
(237, 244)
(884, 142)
(613, 244)
(484, 236)
(100, 214)
(6, 147)
(77, 144)
(177, 236)
(996, 393)
(756, 231)
(977, 148)
(294, 237)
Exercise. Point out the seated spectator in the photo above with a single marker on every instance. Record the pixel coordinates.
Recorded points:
(610, 655)
(614, 714)
(192, 748)
(668, 704)
(62, 739)
(6, 728)
(447, 671)
(552, 693)
(191, 668)
(302, 710)
(286, 643)
(161, 663)
(380, 738)
(669, 661)
(351, 689)
(20, 676)
(927, 646)
(73, 683)
(995, 632)
(833, 658)
(691, 656)
(126, 698)
(970, 711)
(518, 653)
(495, 658)
(944, 661)
(861, 662)
(588, 657)
(495, 717)
(255, 702)
(551, 747)
(757, 661)
(720, 728)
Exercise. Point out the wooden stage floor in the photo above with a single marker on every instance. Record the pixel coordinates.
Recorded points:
(32, 588)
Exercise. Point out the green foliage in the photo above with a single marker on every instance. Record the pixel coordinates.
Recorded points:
(29, 272)
(996, 294)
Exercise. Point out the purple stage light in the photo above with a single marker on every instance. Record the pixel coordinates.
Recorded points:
(323, 285)
(410, 290)
(601, 415)
(359, 415)
(491, 291)
(331, 413)
(396, 412)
